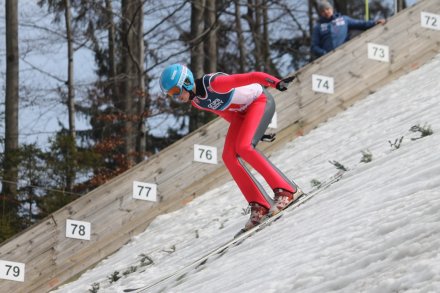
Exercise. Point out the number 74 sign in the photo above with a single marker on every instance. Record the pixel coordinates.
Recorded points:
(323, 84)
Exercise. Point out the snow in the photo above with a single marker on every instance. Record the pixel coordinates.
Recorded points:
(377, 230)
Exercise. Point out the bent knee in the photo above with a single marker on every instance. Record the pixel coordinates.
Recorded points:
(243, 150)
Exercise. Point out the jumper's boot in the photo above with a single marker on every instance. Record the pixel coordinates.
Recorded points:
(283, 199)
(258, 213)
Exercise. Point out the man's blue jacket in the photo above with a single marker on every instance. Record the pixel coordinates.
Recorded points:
(329, 34)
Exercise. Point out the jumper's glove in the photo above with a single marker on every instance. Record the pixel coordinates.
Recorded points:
(282, 84)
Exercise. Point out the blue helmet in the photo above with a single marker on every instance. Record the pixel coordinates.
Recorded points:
(174, 78)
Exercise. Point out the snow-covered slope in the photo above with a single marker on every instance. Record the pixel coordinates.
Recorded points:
(376, 230)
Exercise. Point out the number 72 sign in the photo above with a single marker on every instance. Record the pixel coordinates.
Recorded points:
(430, 20)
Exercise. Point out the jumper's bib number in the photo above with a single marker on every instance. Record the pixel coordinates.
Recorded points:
(144, 191)
(205, 154)
(378, 52)
(13, 271)
(430, 20)
(323, 84)
(273, 123)
(78, 229)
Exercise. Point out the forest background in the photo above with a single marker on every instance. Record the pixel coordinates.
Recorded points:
(79, 98)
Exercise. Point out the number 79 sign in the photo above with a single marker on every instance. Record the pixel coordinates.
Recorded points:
(13, 271)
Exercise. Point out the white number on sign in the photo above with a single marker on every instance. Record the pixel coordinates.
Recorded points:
(205, 154)
(430, 20)
(273, 122)
(378, 52)
(78, 229)
(322, 84)
(12, 271)
(144, 191)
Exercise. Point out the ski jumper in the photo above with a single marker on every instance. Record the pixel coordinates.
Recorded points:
(241, 100)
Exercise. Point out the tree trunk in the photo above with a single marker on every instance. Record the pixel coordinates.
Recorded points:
(211, 64)
(11, 100)
(130, 17)
(197, 55)
(141, 106)
(70, 179)
(134, 82)
(241, 43)
(269, 66)
(310, 15)
(253, 19)
(9, 204)
(111, 46)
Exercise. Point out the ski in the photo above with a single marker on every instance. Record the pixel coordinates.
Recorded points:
(240, 238)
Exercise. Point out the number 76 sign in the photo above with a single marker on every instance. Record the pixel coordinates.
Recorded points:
(205, 154)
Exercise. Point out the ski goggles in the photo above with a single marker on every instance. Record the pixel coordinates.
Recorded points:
(174, 92)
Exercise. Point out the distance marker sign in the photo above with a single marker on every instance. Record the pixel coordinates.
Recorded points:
(78, 229)
(323, 84)
(13, 271)
(205, 154)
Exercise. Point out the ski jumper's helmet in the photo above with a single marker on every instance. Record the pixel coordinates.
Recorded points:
(175, 78)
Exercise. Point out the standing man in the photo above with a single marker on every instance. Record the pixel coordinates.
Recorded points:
(332, 29)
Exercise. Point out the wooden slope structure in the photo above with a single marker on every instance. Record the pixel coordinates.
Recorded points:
(51, 258)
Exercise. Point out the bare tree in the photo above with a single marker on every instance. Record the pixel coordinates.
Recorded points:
(9, 184)
(133, 83)
(111, 32)
(310, 17)
(241, 44)
(197, 54)
(211, 19)
(253, 19)
(70, 179)
(141, 93)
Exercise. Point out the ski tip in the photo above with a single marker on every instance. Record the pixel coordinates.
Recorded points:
(130, 290)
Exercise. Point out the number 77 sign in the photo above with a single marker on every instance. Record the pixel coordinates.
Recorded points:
(144, 191)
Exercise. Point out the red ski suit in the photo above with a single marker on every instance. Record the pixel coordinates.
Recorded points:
(241, 100)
